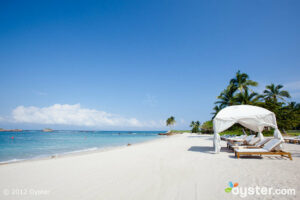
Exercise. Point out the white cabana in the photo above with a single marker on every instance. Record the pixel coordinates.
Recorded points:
(252, 117)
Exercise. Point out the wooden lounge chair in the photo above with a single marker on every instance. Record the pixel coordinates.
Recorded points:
(292, 140)
(224, 137)
(268, 149)
(253, 141)
(237, 138)
(259, 144)
(244, 141)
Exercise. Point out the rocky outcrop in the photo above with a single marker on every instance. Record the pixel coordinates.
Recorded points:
(10, 130)
(47, 130)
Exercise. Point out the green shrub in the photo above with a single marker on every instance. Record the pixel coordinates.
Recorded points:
(207, 127)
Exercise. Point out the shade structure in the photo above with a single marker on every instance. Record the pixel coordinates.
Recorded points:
(252, 117)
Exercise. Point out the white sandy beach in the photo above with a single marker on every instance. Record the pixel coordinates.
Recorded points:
(177, 167)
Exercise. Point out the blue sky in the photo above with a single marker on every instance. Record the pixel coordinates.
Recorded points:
(128, 65)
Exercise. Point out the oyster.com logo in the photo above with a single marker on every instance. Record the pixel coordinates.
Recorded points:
(231, 185)
(243, 192)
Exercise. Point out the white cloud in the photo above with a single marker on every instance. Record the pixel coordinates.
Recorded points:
(71, 115)
(67, 115)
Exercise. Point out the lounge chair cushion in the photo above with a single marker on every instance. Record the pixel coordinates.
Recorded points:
(240, 138)
(254, 141)
(249, 138)
(262, 142)
(269, 146)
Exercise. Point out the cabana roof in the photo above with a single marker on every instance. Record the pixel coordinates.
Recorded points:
(252, 117)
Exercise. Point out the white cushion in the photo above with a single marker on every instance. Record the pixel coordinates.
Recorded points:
(254, 141)
(271, 144)
(262, 142)
(249, 138)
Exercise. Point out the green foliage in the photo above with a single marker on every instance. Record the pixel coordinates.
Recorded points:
(293, 132)
(232, 132)
(241, 81)
(195, 126)
(226, 97)
(273, 93)
(207, 127)
(273, 99)
(216, 109)
(237, 93)
(180, 131)
(287, 115)
(170, 121)
(247, 98)
(238, 131)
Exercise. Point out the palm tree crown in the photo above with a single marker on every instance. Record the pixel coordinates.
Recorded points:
(237, 92)
(241, 81)
(226, 98)
(195, 126)
(248, 98)
(216, 109)
(170, 121)
(273, 92)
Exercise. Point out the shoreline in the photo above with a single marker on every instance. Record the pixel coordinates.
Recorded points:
(76, 152)
(182, 166)
(87, 151)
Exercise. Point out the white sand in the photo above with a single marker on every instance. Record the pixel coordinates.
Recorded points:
(176, 167)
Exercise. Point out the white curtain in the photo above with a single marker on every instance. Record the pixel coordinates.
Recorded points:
(261, 136)
(252, 117)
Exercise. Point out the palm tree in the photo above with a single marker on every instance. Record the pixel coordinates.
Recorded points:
(216, 110)
(294, 106)
(241, 81)
(195, 126)
(274, 92)
(226, 98)
(170, 121)
(292, 111)
(252, 98)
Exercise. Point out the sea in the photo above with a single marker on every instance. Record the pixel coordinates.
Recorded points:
(35, 144)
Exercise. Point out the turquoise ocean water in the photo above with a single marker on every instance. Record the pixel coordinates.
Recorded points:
(15, 146)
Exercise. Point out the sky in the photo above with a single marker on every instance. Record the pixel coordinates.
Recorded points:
(128, 65)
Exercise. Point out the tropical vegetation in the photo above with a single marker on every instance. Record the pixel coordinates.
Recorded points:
(195, 126)
(207, 127)
(274, 98)
(170, 122)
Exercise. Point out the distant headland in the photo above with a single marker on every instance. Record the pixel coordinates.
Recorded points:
(10, 130)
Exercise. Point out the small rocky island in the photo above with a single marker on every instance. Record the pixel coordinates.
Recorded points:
(47, 130)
